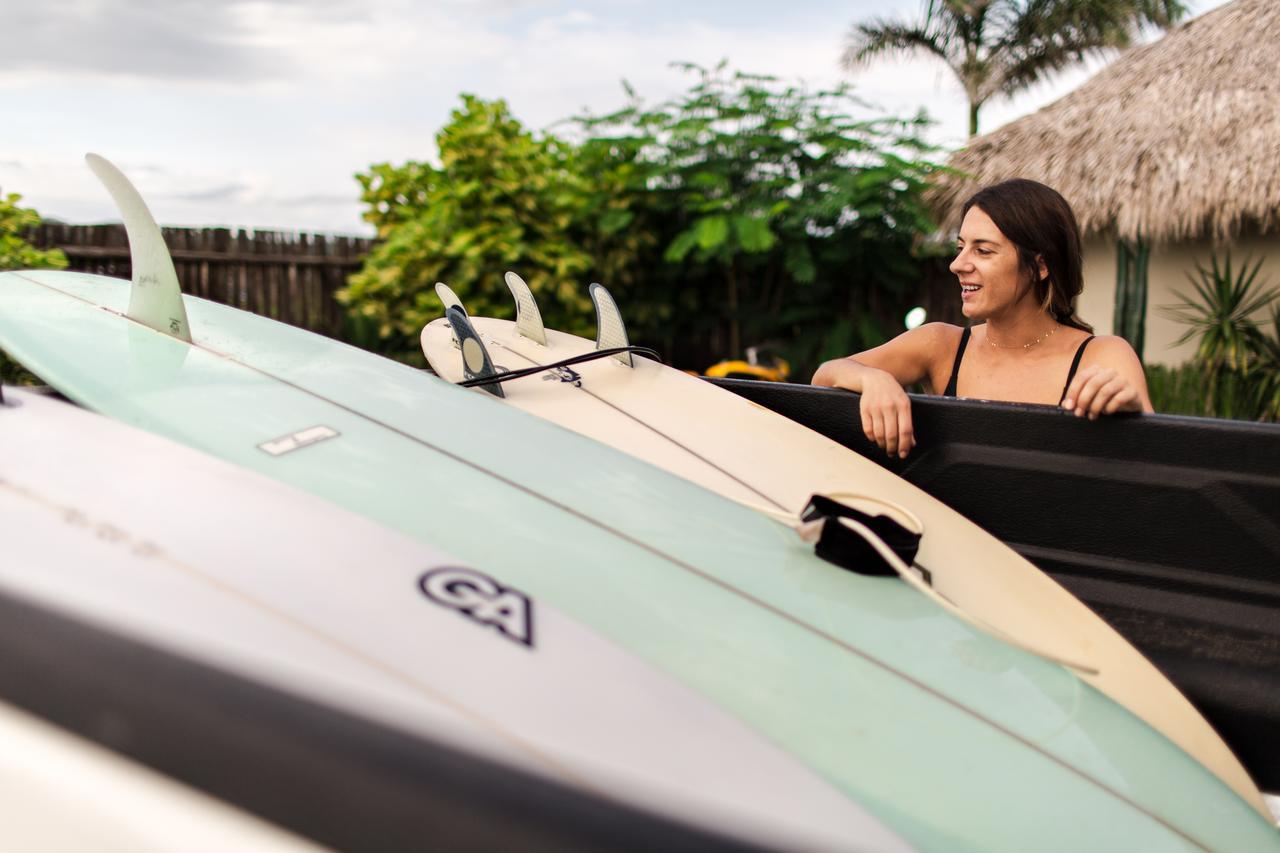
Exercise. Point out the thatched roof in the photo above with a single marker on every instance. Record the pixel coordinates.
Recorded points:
(1176, 139)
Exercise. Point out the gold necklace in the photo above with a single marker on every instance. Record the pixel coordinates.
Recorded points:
(995, 345)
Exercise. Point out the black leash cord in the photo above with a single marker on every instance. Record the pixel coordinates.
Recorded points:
(577, 359)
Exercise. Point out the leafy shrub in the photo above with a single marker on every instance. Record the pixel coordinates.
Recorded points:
(778, 216)
(742, 212)
(502, 198)
(1181, 390)
(17, 254)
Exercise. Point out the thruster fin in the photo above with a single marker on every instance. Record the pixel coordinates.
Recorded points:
(450, 300)
(155, 299)
(476, 363)
(448, 297)
(610, 330)
(528, 317)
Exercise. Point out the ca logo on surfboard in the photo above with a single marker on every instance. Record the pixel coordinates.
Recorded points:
(481, 599)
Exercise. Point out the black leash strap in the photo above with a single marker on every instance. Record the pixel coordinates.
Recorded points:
(541, 368)
(848, 549)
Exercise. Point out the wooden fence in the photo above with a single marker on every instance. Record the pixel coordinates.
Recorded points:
(286, 276)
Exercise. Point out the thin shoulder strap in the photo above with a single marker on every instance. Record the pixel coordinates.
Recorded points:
(1075, 364)
(955, 368)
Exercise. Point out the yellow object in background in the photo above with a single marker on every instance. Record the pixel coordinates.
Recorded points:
(761, 363)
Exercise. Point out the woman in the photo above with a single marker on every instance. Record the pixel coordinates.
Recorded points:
(1018, 263)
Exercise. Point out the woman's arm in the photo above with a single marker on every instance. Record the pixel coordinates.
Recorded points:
(879, 375)
(1111, 380)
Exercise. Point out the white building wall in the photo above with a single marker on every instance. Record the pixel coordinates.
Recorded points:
(1166, 273)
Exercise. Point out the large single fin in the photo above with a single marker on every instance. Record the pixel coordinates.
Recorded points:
(476, 363)
(156, 298)
(528, 317)
(610, 330)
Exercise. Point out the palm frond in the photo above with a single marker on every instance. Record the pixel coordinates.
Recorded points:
(890, 39)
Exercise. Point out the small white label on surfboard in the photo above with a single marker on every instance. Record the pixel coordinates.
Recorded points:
(610, 330)
(482, 599)
(528, 317)
(298, 440)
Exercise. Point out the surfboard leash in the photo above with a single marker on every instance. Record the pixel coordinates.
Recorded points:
(608, 352)
(878, 545)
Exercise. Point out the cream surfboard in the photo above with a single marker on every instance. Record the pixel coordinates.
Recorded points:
(757, 457)
(160, 542)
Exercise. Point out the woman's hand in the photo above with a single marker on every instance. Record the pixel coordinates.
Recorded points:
(886, 413)
(1098, 390)
(880, 374)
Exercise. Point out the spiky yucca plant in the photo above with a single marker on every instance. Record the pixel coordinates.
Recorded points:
(1232, 350)
(1267, 371)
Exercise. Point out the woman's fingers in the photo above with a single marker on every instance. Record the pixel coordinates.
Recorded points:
(886, 416)
(1108, 390)
(1126, 400)
(1092, 381)
(877, 427)
(1099, 391)
(906, 432)
(889, 427)
(1071, 401)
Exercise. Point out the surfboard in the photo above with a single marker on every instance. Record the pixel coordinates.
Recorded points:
(954, 739)
(192, 554)
(759, 458)
(63, 793)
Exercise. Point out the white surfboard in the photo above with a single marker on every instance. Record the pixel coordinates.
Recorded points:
(162, 543)
(63, 793)
(757, 457)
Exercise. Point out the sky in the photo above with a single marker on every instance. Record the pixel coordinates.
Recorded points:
(258, 113)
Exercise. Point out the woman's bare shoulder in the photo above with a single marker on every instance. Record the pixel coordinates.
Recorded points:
(939, 339)
(925, 343)
(1105, 348)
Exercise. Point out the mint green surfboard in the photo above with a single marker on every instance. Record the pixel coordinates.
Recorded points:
(954, 739)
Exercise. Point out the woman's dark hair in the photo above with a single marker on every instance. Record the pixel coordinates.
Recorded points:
(1038, 220)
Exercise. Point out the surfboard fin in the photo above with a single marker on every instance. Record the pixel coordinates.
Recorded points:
(610, 330)
(476, 363)
(450, 300)
(155, 299)
(528, 317)
(448, 297)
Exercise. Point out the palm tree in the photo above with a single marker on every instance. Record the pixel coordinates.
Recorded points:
(999, 47)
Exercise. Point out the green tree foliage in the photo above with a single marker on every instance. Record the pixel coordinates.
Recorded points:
(502, 198)
(1001, 47)
(742, 212)
(778, 216)
(18, 254)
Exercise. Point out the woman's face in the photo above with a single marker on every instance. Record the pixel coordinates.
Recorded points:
(991, 279)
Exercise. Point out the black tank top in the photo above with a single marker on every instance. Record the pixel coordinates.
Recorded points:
(964, 342)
